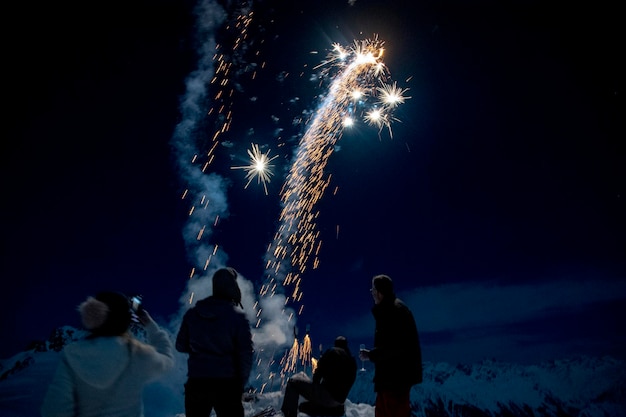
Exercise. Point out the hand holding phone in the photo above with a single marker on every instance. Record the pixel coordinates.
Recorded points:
(135, 303)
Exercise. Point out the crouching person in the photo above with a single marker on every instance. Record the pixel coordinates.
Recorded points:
(326, 393)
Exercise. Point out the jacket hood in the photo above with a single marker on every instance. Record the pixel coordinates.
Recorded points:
(99, 361)
(225, 285)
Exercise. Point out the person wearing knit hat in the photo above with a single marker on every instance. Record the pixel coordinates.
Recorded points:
(396, 354)
(105, 373)
(106, 314)
(216, 335)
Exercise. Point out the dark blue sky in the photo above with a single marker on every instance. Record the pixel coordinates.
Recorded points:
(497, 208)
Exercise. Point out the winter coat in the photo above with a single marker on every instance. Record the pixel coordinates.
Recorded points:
(216, 335)
(105, 376)
(336, 372)
(396, 354)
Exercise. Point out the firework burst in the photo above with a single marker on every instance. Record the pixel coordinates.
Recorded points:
(259, 167)
(357, 74)
(391, 96)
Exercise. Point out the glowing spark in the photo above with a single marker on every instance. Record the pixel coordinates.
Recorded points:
(340, 53)
(375, 117)
(305, 351)
(259, 167)
(391, 95)
(379, 69)
(357, 95)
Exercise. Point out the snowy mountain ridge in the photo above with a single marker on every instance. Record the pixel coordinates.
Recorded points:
(577, 386)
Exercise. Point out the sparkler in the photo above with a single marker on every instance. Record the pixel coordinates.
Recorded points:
(259, 167)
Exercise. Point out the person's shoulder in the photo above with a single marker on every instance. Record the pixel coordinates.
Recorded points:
(238, 318)
(398, 303)
(204, 305)
(401, 307)
(337, 351)
(191, 310)
(239, 313)
(345, 354)
(140, 347)
(330, 351)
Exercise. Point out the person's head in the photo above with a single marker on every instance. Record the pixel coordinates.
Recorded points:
(341, 342)
(382, 288)
(106, 314)
(225, 285)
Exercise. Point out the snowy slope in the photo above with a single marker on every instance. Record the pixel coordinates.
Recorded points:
(581, 387)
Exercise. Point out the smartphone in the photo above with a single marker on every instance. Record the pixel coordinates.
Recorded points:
(135, 303)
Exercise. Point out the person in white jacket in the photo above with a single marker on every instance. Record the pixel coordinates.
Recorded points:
(104, 374)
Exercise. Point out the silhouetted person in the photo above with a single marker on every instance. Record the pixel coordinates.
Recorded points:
(104, 374)
(396, 354)
(216, 335)
(327, 391)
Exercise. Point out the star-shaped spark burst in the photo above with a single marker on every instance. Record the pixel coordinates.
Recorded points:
(391, 95)
(376, 117)
(259, 167)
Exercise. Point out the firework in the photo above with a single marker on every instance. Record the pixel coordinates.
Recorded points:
(357, 74)
(298, 355)
(259, 167)
(391, 95)
(289, 363)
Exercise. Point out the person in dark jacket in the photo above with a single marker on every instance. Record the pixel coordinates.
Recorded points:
(216, 335)
(327, 391)
(396, 354)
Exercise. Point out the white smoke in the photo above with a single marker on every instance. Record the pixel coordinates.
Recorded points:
(206, 193)
(207, 199)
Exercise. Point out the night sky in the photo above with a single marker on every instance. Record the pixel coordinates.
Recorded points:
(497, 207)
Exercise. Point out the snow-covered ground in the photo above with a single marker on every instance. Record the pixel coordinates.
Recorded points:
(582, 387)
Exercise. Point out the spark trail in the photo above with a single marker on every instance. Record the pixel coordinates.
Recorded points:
(361, 75)
(211, 84)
